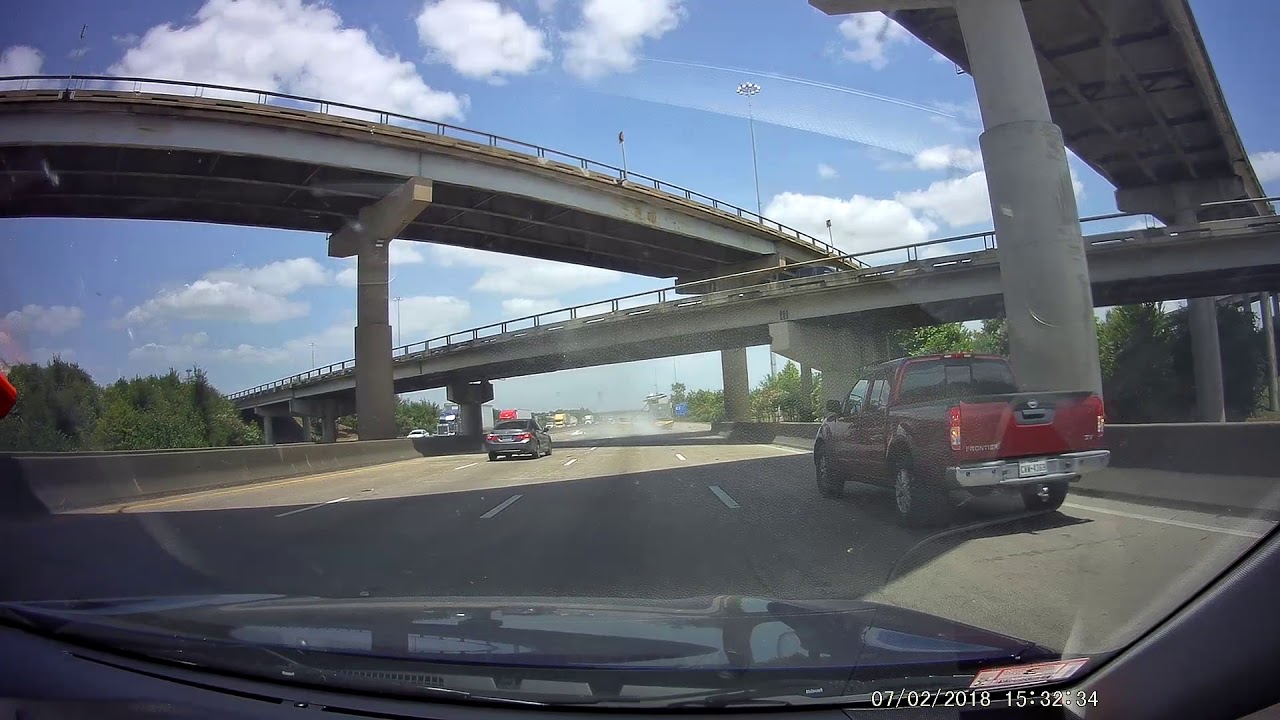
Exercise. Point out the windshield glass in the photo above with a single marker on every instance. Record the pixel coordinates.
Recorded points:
(633, 351)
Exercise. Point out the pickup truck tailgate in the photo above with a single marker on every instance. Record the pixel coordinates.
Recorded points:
(1025, 424)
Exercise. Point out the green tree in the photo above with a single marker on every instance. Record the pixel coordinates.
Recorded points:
(945, 338)
(167, 411)
(415, 414)
(679, 393)
(58, 407)
(1243, 347)
(782, 392)
(706, 405)
(1135, 351)
(992, 338)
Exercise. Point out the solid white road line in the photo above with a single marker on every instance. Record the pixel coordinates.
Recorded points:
(680, 457)
(464, 467)
(571, 462)
(1164, 521)
(724, 497)
(313, 507)
(505, 504)
(791, 450)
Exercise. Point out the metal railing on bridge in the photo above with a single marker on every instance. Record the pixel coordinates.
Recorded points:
(154, 86)
(876, 264)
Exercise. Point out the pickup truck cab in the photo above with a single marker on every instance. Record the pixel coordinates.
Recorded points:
(936, 428)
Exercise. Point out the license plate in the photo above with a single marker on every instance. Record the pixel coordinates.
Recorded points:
(506, 438)
(1032, 468)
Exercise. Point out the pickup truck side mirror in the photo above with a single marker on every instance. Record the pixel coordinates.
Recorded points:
(833, 406)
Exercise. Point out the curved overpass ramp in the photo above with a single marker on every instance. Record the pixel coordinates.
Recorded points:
(148, 149)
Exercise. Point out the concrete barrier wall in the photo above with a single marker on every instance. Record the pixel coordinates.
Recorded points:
(1224, 467)
(58, 482)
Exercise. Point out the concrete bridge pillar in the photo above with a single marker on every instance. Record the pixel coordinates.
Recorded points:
(368, 237)
(1043, 272)
(737, 385)
(1177, 205)
(471, 398)
(328, 428)
(839, 352)
(268, 431)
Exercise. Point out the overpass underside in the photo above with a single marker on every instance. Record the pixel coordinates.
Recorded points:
(115, 182)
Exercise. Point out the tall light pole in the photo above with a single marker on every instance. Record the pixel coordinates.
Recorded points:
(750, 90)
(831, 238)
(397, 300)
(313, 354)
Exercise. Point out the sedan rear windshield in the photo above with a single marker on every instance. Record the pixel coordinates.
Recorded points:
(929, 380)
(514, 425)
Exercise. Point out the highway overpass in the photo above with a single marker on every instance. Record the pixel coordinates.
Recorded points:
(854, 309)
(141, 148)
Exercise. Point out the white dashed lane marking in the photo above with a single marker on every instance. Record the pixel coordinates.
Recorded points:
(464, 467)
(724, 497)
(571, 462)
(680, 457)
(313, 507)
(503, 506)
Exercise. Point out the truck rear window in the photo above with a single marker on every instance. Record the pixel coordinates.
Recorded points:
(929, 380)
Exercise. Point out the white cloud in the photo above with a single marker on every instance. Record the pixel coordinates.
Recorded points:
(956, 201)
(546, 7)
(523, 307)
(858, 224)
(870, 34)
(52, 320)
(480, 39)
(610, 33)
(346, 277)
(944, 157)
(530, 276)
(286, 45)
(21, 60)
(284, 277)
(215, 300)
(826, 172)
(422, 317)
(257, 295)
(425, 316)
(1266, 164)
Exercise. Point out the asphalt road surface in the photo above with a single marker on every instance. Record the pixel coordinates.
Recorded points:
(613, 513)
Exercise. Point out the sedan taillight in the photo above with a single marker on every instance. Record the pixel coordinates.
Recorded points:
(491, 437)
(523, 436)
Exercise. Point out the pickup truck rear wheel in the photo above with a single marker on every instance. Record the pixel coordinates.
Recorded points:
(915, 501)
(829, 486)
(1048, 496)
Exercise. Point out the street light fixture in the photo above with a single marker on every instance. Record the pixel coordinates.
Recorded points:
(750, 90)
(397, 300)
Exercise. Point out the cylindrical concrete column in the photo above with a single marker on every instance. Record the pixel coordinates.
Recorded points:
(469, 419)
(1269, 330)
(375, 387)
(737, 387)
(1043, 271)
(269, 430)
(1206, 357)
(328, 429)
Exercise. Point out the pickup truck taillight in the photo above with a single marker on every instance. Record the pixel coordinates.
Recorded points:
(954, 422)
(1095, 404)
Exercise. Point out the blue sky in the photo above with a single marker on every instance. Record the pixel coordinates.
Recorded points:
(251, 305)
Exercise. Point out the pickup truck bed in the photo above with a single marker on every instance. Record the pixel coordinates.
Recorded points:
(936, 427)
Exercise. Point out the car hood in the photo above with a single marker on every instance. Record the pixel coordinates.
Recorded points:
(705, 632)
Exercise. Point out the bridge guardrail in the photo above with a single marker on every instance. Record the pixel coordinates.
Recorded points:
(71, 83)
(909, 260)
(642, 302)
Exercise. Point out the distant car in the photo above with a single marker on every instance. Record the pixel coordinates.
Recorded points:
(517, 437)
(418, 433)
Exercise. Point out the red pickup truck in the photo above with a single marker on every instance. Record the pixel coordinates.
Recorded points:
(938, 427)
